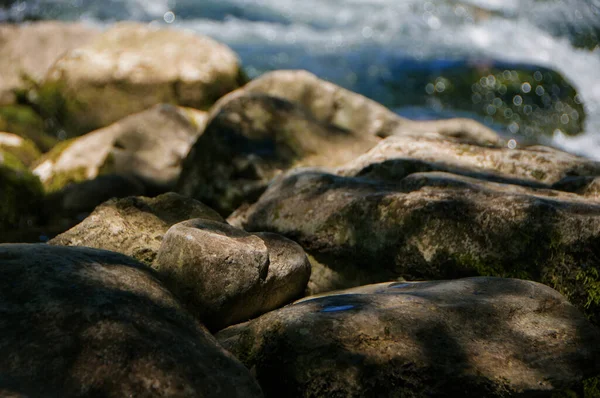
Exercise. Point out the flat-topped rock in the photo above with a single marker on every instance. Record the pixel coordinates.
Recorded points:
(470, 337)
(432, 225)
(81, 322)
(134, 226)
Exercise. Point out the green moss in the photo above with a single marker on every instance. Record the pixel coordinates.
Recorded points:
(25, 122)
(59, 180)
(591, 387)
(27, 152)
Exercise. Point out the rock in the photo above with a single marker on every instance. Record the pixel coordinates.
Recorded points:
(27, 51)
(148, 146)
(249, 139)
(134, 226)
(25, 122)
(80, 322)
(476, 337)
(335, 105)
(535, 165)
(20, 196)
(225, 275)
(587, 186)
(433, 226)
(131, 67)
(22, 149)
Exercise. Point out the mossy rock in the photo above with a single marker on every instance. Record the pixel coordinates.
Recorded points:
(25, 122)
(23, 149)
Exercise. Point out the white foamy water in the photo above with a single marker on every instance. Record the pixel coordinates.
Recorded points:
(361, 44)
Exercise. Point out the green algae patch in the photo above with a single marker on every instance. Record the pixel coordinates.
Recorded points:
(26, 123)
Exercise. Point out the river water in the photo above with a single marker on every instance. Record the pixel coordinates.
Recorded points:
(371, 46)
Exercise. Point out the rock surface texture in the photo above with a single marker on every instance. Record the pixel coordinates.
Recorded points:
(134, 226)
(400, 222)
(475, 337)
(148, 146)
(80, 322)
(131, 67)
(225, 275)
(250, 138)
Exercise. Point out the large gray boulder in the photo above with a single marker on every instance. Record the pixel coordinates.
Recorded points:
(534, 166)
(27, 51)
(134, 226)
(131, 67)
(345, 109)
(250, 138)
(476, 337)
(433, 226)
(148, 146)
(81, 322)
(225, 275)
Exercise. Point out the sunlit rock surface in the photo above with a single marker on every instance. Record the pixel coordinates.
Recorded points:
(81, 322)
(348, 110)
(134, 226)
(532, 165)
(225, 275)
(250, 138)
(475, 337)
(433, 226)
(27, 52)
(149, 146)
(131, 67)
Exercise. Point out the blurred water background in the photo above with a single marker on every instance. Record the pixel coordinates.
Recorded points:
(493, 60)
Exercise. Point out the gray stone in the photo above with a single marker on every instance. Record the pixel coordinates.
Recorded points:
(475, 337)
(131, 67)
(249, 139)
(81, 322)
(433, 226)
(134, 226)
(225, 275)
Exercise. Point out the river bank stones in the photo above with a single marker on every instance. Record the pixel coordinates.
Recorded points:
(475, 337)
(81, 322)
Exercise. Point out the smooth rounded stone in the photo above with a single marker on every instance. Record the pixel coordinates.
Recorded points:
(131, 67)
(345, 109)
(149, 146)
(475, 337)
(134, 226)
(81, 322)
(27, 51)
(249, 139)
(433, 226)
(537, 164)
(21, 148)
(225, 275)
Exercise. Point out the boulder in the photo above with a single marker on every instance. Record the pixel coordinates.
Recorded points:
(148, 146)
(534, 166)
(131, 67)
(249, 139)
(81, 322)
(225, 275)
(345, 109)
(134, 226)
(475, 337)
(433, 226)
(27, 51)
